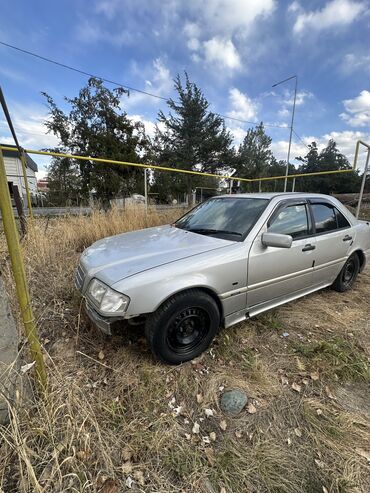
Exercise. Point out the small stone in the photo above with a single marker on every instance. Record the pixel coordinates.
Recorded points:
(233, 401)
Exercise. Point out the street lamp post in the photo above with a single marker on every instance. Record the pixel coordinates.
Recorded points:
(291, 125)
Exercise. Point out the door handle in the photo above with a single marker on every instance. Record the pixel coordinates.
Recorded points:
(347, 238)
(308, 247)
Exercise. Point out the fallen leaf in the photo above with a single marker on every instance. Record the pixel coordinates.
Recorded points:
(363, 453)
(298, 432)
(110, 486)
(129, 482)
(208, 413)
(296, 387)
(319, 412)
(300, 364)
(212, 436)
(289, 441)
(187, 436)
(206, 440)
(127, 468)
(27, 367)
(251, 408)
(210, 455)
(325, 490)
(223, 425)
(101, 355)
(314, 375)
(139, 476)
(223, 490)
(319, 463)
(238, 434)
(284, 380)
(305, 381)
(177, 410)
(196, 428)
(329, 393)
(126, 454)
(199, 398)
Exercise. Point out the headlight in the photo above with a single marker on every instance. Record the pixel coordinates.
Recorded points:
(108, 300)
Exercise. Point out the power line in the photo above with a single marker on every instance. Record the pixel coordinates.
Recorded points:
(130, 88)
(304, 143)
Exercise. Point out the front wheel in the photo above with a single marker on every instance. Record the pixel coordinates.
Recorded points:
(348, 275)
(183, 327)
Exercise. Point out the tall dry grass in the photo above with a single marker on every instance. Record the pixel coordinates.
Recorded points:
(110, 423)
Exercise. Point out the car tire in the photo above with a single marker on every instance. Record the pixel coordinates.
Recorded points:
(348, 275)
(183, 326)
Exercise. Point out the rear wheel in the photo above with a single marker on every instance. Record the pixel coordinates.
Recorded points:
(348, 275)
(183, 327)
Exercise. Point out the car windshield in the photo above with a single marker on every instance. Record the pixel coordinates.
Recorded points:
(229, 217)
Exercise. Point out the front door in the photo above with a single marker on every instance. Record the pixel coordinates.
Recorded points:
(277, 273)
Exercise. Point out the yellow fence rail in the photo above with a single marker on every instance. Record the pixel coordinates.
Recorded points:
(176, 170)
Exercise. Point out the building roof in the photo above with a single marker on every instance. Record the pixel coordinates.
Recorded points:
(30, 162)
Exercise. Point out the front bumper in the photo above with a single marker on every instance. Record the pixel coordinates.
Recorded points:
(103, 323)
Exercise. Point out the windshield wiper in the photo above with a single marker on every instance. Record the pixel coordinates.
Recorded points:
(206, 231)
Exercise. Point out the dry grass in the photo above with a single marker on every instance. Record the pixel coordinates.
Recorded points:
(109, 416)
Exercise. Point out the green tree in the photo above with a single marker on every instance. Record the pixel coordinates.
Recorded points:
(329, 159)
(191, 137)
(96, 126)
(64, 181)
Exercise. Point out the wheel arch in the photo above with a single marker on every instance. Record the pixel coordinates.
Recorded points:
(205, 289)
(361, 257)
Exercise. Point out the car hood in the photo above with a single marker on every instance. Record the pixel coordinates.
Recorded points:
(117, 257)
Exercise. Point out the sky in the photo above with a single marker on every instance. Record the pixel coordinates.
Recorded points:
(234, 50)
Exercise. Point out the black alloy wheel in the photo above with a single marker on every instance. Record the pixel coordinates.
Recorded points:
(183, 326)
(348, 274)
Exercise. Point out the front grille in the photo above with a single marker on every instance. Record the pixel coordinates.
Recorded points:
(79, 278)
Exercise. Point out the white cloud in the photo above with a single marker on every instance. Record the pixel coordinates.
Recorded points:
(334, 13)
(222, 52)
(29, 125)
(345, 140)
(357, 110)
(300, 98)
(352, 62)
(158, 81)
(243, 107)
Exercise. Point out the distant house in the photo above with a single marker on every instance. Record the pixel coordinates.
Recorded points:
(14, 173)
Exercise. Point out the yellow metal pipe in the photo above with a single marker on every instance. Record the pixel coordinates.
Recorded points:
(24, 168)
(16, 258)
(175, 170)
(125, 163)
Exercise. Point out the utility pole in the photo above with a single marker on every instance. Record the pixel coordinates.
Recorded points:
(291, 125)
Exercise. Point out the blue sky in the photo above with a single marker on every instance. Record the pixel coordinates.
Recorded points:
(233, 49)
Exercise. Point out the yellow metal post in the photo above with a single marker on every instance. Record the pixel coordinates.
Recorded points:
(12, 238)
(24, 168)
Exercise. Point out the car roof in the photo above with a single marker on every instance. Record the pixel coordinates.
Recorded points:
(271, 195)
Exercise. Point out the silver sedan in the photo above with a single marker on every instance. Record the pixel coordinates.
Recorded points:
(226, 260)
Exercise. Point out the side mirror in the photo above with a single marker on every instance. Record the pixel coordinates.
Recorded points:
(276, 240)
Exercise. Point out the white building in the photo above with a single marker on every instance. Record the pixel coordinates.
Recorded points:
(14, 173)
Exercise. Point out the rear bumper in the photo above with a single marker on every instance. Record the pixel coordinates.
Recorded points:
(103, 323)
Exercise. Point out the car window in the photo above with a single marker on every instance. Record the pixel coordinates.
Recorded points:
(341, 220)
(292, 220)
(325, 218)
(227, 217)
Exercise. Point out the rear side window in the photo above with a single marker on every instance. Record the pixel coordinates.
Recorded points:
(341, 220)
(292, 220)
(328, 218)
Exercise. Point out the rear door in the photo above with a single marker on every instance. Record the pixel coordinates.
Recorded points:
(334, 236)
(277, 273)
